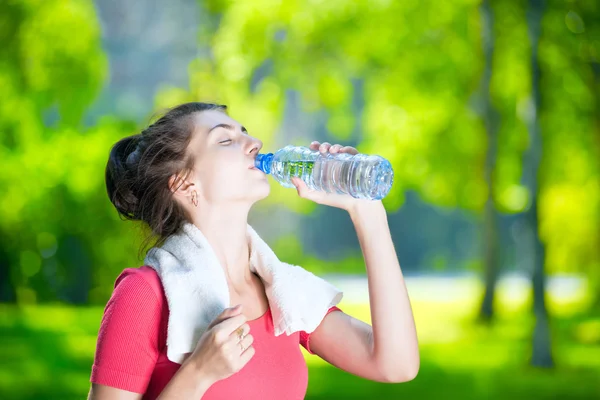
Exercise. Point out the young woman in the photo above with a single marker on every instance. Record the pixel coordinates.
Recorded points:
(194, 165)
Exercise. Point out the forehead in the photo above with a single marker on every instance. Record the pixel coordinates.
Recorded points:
(205, 120)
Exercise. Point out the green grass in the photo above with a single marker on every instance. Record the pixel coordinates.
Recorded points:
(47, 352)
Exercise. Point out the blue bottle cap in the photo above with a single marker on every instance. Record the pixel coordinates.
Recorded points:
(263, 162)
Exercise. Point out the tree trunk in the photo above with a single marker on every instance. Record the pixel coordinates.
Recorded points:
(541, 346)
(490, 216)
(595, 272)
(7, 288)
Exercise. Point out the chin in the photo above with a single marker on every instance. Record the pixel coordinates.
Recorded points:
(260, 191)
(267, 190)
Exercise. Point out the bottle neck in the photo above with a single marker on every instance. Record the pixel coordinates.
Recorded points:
(263, 162)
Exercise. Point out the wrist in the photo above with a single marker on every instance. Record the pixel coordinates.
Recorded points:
(363, 207)
(202, 378)
(190, 382)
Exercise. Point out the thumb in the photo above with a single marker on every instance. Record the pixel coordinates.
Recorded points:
(304, 191)
(233, 310)
(299, 184)
(225, 314)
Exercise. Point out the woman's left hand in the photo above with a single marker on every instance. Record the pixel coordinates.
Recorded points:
(343, 201)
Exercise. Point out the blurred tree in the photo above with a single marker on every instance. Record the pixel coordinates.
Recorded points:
(592, 56)
(569, 201)
(51, 68)
(506, 55)
(491, 254)
(581, 32)
(542, 354)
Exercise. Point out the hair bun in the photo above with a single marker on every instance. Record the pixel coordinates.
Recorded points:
(120, 176)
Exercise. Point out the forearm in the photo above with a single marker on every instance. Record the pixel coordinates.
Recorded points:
(395, 346)
(189, 382)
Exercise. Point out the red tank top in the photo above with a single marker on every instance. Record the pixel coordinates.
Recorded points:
(131, 348)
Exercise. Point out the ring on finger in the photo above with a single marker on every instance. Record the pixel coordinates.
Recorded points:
(240, 333)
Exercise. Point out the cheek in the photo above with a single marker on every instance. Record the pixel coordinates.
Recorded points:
(224, 179)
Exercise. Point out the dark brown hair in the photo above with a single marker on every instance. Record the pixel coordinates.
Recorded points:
(139, 167)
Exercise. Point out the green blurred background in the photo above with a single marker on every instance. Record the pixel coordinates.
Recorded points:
(489, 112)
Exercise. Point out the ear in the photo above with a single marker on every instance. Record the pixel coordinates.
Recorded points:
(181, 186)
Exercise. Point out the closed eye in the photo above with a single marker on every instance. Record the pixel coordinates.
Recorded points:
(225, 141)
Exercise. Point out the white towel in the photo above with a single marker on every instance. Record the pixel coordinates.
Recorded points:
(197, 292)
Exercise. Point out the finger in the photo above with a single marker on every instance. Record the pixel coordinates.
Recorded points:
(303, 190)
(296, 182)
(324, 147)
(314, 145)
(245, 342)
(247, 355)
(349, 150)
(242, 331)
(226, 313)
(335, 148)
(231, 324)
(299, 183)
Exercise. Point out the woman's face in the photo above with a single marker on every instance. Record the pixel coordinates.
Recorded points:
(224, 153)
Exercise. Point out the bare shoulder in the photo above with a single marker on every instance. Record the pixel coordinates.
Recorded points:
(101, 392)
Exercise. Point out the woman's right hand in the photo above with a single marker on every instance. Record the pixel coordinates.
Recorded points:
(219, 353)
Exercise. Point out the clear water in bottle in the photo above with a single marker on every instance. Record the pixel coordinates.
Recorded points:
(361, 176)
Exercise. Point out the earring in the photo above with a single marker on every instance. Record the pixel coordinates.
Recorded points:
(194, 199)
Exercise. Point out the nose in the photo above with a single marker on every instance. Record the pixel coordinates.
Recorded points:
(254, 146)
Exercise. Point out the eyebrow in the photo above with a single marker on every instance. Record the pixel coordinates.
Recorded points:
(226, 126)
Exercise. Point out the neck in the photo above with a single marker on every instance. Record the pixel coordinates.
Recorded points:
(225, 229)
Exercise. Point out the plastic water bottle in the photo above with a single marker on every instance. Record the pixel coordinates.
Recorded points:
(361, 176)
